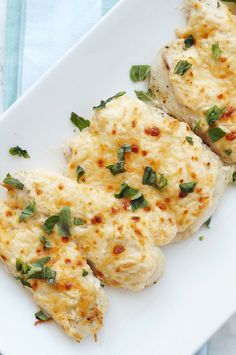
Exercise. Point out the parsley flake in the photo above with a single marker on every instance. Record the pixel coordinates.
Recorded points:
(145, 96)
(189, 140)
(216, 133)
(213, 114)
(182, 67)
(19, 151)
(103, 103)
(216, 51)
(150, 177)
(189, 42)
(137, 199)
(11, 181)
(79, 172)
(139, 72)
(28, 211)
(42, 316)
(79, 121)
(188, 187)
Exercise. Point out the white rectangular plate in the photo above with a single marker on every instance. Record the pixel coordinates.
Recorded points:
(198, 291)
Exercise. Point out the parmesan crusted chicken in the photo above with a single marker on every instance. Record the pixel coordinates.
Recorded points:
(129, 141)
(116, 242)
(56, 272)
(194, 79)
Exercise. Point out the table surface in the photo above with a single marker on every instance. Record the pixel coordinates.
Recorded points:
(224, 341)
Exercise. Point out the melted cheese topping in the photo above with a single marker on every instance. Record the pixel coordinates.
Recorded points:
(158, 141)
(210, 81)
(75, 302)
(118, 247)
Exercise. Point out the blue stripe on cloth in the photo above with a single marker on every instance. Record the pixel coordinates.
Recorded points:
(13, 38)
(107, 5)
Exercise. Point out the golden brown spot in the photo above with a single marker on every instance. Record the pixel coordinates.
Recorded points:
(134, 148)
(223, 59)
(220, 96)
(80, 263)
(199, 190)
(185, 211)
(4, 258)
(135, 218)
(208, 164)
(134, 123)
(118, 249)
(125, 204)
(96, 220)
(65, 239)
(144, 153)
(147, 209)
(67, 261)
(72, 166)
(114, 210)
(38, 191)
(100, 163)
(61, 187)
(183, 194)
(34, 285)
(113, 132)
(95, 271)
(8, 213)
(120, 228)
(231, 136)
(152, 131)
(68, 285)
(228, 113)
(166, 64)
(193, 175)
(194, 158)
(161, 205)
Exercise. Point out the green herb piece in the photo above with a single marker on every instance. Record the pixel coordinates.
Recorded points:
(126, 148)
(228, 152)
(23, 281)
(216, 133)
(216, 51)
(78, 221)
(139, 202)
(85, 273)
(64, 222)
(145, 96)
(50, 223)
(21, 266)
(28, 211)
(182, 67)
(197, 125)
(20, 152)
(150, 177)
(139, 72)
(137, 199)
(189, 42)
(38, 265)
(213, 114)
(188, 187)
(103, 103)
(46, 242)
(234, 1)
(79, 172)
(234, 177)
(79, 121)
(10, 181)
(201, 238)
(189, 140)
(117, 168)
(208, 222)
(42, 316)
(102, 285)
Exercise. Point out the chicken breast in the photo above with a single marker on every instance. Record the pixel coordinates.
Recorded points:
(155, 144)
(59, 278)
(116, 242)
(194, 78)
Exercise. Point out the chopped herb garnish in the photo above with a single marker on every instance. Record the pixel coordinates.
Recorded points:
(228, 152)
(182, 67)
(79, 121)
(85, 273)
(79, 172)
(145, 96)
(119, 167)
(28, 211)
(36, 270)
(213, 114)
(216, 133)
(197, 125)
(103, 103)
(126, 148)
(234, 177)
(189, 140)
(216, 51)
(46, 242)
(137, 199)
(78, 221)
(19, 151)
(50, 223)
(189, 42)
(208, 222)
(10, 181)
(201, 238)
(188, 187)
(64, 222)
(42, 316)
(234, 1)
(139, 72)
(102, 285)
(150, 177)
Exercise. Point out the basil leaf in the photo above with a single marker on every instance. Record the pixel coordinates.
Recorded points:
(46, 242)
(79, 121)
(208, 222)
(150, 177)
(182, 67)
(50, 223)
(216, 133)
(42, 316)
(234, 177)
(22, 266)
(117, 168)
(124, 149)
(197, 126)
(23, 281)
(139, 72)
(228, 152)
(126, 191)
(188, 187)
(78, 221)
(38, 265)
(139, 202)
(20, 152)
(85, 273)
(216, 51)
(103, 103)
(189, 42)
(189, 140)
(145, 96)
(28, 211)
(10, 181)
(79, 172)
(213, 114)
(64, 222)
